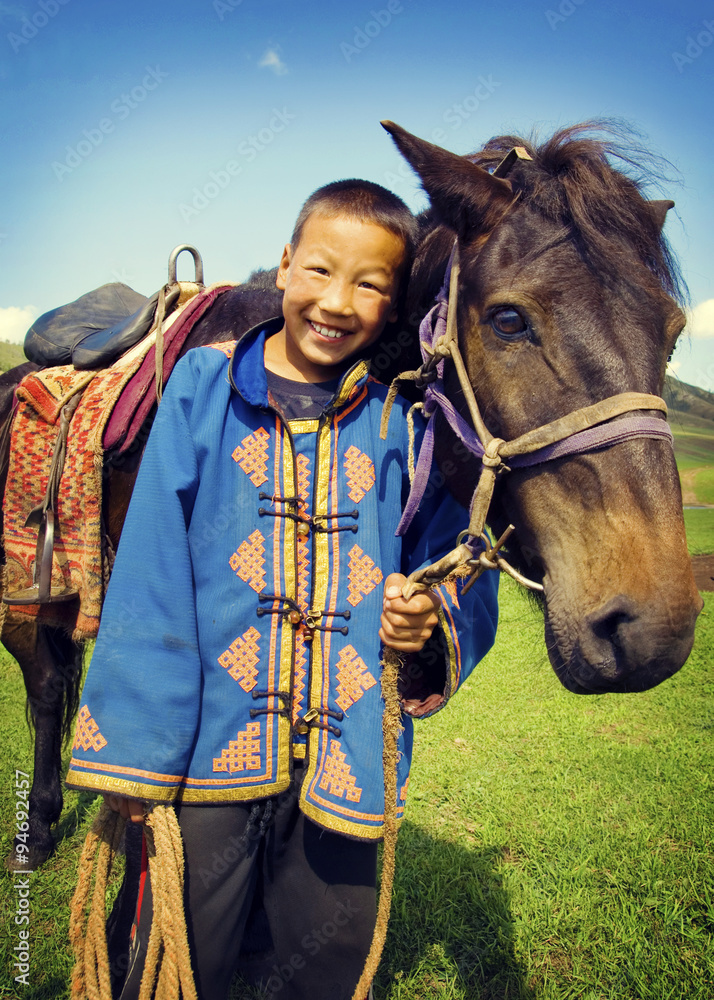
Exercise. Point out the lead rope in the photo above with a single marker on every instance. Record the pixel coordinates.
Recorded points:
(391, 727)
(168, 963)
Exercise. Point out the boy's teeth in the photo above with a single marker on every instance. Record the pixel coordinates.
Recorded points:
(327, 331)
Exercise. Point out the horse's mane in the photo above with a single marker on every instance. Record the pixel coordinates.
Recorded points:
(592, 178)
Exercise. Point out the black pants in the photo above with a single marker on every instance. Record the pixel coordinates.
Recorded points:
(271, 895)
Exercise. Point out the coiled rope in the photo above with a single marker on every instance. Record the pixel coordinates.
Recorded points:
(168, 964)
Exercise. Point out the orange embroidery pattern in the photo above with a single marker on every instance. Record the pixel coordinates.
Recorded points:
(249, 561)
(241, 657)
(299, 673)
(303, 590)
(336, 778)
(227, 346)
(353, 678)
(243, 753)
(363, 576)
(253, 456)
(450, 588)
(360, 473)
(403, 796)
(303, 477)
(87, 732)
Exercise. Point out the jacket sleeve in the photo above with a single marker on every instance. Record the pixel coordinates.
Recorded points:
(467, 622)
(140, 703)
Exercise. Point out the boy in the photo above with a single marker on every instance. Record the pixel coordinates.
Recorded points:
(245, 688)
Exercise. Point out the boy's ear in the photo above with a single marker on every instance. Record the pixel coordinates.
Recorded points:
(282, 274)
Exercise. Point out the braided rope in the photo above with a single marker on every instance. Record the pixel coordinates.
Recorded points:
(87, 930)
(168, 965)
(391, 726)
(166, 870)
(412, 443)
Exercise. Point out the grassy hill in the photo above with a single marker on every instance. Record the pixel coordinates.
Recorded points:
(691, 415)
(11, 355)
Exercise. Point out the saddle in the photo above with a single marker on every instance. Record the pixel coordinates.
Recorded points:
(77, 335)
(96, 329)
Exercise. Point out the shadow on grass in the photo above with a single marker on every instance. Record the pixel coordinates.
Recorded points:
(451, 931)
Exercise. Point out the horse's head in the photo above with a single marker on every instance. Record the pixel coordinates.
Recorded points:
(567, 296)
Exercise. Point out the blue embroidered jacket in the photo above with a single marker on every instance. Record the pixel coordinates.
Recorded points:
(240, 628)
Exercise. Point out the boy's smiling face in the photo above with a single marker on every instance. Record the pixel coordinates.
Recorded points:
(341, 284)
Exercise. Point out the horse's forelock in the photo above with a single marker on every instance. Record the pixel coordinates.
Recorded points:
(591, 177)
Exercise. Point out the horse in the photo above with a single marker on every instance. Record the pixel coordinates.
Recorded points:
(567, 294)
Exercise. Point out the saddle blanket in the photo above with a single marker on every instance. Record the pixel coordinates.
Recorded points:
(114, 404)
(79, 549)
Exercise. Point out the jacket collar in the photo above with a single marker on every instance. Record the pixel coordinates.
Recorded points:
(246, 369)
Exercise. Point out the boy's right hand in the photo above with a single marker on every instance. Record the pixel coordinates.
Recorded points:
(129, 809)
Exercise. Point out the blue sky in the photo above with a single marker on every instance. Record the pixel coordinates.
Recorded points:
(131, 127)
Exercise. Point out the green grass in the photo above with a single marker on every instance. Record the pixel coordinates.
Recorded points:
(51, 888)
(699, 525)
(693, 447)
(704, 485)
(694, 452)
(555, 847)
(11, 355)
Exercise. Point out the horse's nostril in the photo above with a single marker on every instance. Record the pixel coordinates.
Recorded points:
(607, 622)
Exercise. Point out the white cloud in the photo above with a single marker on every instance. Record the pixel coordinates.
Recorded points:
(15, 322)
(673, 367)
(272, 60)
(700, 322)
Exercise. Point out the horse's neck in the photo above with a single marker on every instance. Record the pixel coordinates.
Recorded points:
(234, 313)
(428, 270)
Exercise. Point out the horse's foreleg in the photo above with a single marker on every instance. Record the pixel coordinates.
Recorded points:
(51, 667)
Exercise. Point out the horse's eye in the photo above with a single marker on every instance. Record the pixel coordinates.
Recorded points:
(508, 323)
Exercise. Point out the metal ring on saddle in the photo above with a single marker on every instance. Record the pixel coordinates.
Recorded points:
(197, 261)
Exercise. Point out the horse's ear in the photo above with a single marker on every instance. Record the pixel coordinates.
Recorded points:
(658, 211)
(467, 198)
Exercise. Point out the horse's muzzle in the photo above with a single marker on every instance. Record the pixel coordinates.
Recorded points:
(622, 646)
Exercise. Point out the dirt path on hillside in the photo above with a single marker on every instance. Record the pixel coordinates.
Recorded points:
(703, 569)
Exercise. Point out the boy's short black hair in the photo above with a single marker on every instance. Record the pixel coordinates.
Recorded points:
(365, 201)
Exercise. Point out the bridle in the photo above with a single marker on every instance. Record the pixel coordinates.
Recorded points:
(583, 430)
